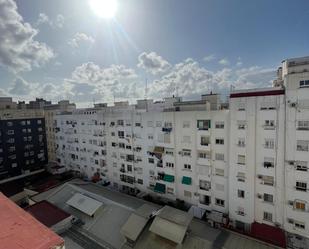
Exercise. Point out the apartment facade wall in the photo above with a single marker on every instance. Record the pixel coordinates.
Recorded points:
(250, 162)
(23, 146)
(296, 80)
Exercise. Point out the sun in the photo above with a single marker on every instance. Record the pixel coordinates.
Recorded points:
(104, 8)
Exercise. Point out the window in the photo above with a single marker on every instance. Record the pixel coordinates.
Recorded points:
(220, 202)
(268, 180)
(219, 125)
(186, 152)
(203, 124)
(9, 124)
(300, 205)
(158, 124)
(186, 139)
(140, 181)
(14, 165)
(241, 142)
(304, 83)
(269, 124)
(302, 166)
(205, 185)
(23, 122)
(268, 162)
(241, 125)
(220, 141)
(150, 160)
(268, 216)
(302, 186)
(150, 137)
(122, 145)
(241, 159)
(219, 157)
(204, 154)
(169, 152)
(241, 177)
(186, 124)
(169, 165)
(241, 106)
(241, 193)
(269, 143)
(205, 140)
(120, 122)
(138, 124)
(303, 125)
(170, 191)
(28, 122)
(219, 172)
(299, 224)
(302, 145)
(121, 134)
(268, 198)
(187, 166)
(240, 211)
(39, 121)
(10, 132)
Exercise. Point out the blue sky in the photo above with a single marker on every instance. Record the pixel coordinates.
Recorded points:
(61, 49)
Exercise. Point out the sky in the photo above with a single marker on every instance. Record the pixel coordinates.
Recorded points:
(150, 48)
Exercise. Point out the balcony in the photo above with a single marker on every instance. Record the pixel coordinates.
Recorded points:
(167, 129)
(268, 164)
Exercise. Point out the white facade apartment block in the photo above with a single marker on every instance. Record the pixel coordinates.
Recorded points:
(295, 76)
(256, 176)
(250, 162)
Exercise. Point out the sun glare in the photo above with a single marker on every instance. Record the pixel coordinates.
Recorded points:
(104, 8)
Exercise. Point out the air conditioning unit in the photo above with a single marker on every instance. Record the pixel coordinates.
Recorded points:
(293, 105)
(260, 176)
(259, 196)
(291, 203)
(196, 194)
(291, 163)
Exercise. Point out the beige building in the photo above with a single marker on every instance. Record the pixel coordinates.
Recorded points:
(49, 112)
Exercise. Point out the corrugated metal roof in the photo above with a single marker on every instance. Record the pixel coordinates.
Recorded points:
(134, 226)
(168, 230)
(19, 230)
(84, 204)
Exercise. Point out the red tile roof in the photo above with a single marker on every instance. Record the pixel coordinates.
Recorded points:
(19, 230)
(47, 213)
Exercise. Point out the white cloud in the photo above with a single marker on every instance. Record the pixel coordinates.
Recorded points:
(189, 79)
(239, 62)
(90, 81)
(43, 18)
(209, 58)
(18, 49)
(80, 38)
(59, 22)
(153, 63)
(224, 62)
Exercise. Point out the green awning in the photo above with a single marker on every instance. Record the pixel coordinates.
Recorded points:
(186, 180)
(160, 188)
(168, 178)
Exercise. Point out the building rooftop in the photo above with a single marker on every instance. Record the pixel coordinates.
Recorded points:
(125, 217)
(47, 213)
(19, 230)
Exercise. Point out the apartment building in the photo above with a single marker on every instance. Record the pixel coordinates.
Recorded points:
(50, 110)
(294, 75)
(247, 161)
(23, 149)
